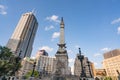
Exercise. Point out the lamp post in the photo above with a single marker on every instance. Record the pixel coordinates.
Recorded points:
(89, 69)
(17, 59)
(81, 57)
(118, 74)
(84, 68)
(33, 69)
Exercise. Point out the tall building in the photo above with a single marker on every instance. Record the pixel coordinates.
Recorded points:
(41, 52)
(61, 54)
(93, 69)
(23, 37)
(87, 67)
(111, 62)
(44, 63)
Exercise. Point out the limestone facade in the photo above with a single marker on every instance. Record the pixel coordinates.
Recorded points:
(111, 62)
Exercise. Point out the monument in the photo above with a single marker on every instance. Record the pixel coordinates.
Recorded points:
(83, 74)
(61, 71)
(61, 56)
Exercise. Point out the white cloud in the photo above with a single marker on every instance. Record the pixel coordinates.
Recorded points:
(77, 46)
(105, 49)
(71, 60)
(55, 35)
(47, 48)
(69, 51)
(53, 18)
(97, 54)
(49, 28)
(95, 63)
(3, 10)
(118, 30)
(115, 21)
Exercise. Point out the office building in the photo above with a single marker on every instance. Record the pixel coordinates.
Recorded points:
(93, 69)
(23, 37)
(41, 52)
(44, 63)
(111, 62)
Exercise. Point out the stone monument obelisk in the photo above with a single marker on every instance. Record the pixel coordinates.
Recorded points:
(61, 56)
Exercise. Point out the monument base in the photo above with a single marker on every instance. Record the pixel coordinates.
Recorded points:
(58, 78)
(87, 79)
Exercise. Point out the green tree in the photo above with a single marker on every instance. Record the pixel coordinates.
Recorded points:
(7, 62)
(28, 74)
(108, 78)
(5, 53)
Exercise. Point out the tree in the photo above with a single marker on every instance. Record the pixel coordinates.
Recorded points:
(5, 53)
(108, 78)
(7, 62)
(28, 74)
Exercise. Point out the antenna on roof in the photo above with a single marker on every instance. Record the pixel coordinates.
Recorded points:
(33, 11)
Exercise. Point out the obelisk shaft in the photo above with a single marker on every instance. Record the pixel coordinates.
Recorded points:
(62, 38)
(62, 47)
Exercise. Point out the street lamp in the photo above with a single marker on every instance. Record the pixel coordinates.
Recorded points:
(84, 68)
(118, 74)
(89, 69)
(17, 59)
(81, 57)
(33, 69)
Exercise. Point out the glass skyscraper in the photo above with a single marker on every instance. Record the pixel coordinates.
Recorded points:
(23, 37)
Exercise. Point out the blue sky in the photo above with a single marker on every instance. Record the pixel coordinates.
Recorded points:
(92, 25)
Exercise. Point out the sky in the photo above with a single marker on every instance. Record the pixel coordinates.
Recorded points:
(92, 25)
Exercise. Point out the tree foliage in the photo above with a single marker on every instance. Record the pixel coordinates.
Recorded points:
(36, 74)
(7, 62)
(108, 78)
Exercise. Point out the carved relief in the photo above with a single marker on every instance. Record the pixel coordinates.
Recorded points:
(59, 66)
